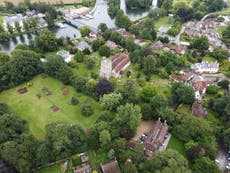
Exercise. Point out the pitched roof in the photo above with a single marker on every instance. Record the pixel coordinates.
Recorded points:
(201, 85)
(110, 166)
(182, 78)
(83, 168)
(119, 61)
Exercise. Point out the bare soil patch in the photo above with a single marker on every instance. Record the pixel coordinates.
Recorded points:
(54, 108)
(46, 91)
(65, 91)
(22, 90)
(144, 127)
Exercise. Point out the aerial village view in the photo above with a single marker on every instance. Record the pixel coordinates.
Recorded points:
(114, 86)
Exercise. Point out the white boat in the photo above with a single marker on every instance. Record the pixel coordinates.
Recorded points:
(89, 16)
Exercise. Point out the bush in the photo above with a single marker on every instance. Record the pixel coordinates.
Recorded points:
(213, 89)
(87, 109)
(74, 101)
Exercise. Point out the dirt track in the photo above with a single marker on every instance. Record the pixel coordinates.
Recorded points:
(15, 2)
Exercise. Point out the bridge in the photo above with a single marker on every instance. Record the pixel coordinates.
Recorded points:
(78, 24)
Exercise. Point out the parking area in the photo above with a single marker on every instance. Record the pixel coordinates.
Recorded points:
(144, 127)
(221, 160)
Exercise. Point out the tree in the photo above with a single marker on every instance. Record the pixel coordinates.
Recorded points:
(129, 91)
(85, 30)
(213, 89)
(74, 101)
(200, 43)
(49, 20)
(159, 102)
(95, 45)
(47, 41)
(63, 140)
(167, 161)
(102, 27)
(19, 153)
(104, 51)
(204, 163)
(17, 26)
(79, 56)
(130, 168)
(149, 64)
(128, 116)
(111, 101)
(26, 25)
(167, 5)
(122, 21)
(182, 93)
(10, 28)
(105, 139)
(226, 137)
(130, 45)
(11, 127)
(147, 93)
(89, 62)
(226, 35)
(87, 109)
(4, 57)
(104, 87)
(224, 84)
(220, 54)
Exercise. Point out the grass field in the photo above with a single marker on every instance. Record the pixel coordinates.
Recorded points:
(187, 2)
(177, 145)
(164, 21)
(37, 111)
(1, 20)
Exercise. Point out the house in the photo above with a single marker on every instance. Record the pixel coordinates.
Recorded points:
(65, 55)
(82, 45)
(156, 137)
(123, 32)
(198, 110)
(184, 78)
(93, 36)
(74, 13)
(157, 46)
(115, 66)
(110, 166)
(200, 88)
(204, 66)
(178, 49)
(192, 31)
(83, 168)
(111, 45)
(140, 41)
(84, 157)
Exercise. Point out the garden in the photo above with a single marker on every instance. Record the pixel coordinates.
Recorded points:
(48, 101)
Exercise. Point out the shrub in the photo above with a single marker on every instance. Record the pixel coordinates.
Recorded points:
(74, 101)
(87, 109)
(213, 89)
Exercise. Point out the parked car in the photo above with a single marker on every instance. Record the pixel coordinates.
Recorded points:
(217, 161)
(228, 167)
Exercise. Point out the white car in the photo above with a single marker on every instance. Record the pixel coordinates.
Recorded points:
(228, 167)
(217, 161)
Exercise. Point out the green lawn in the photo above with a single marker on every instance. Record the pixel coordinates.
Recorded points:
(177, 145)
(209, 59)
(37, 111)
(1, 20)
(162, 22)
(51, 169)
(183, 108)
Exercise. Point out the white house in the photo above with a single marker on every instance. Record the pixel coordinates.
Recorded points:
(115, 66)
(65, 55)
(204, 66)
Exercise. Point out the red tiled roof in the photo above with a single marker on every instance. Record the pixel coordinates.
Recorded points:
(201, 85)
(182, 78)
(119, 61)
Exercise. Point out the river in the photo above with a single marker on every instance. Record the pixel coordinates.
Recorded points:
(100, 16)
